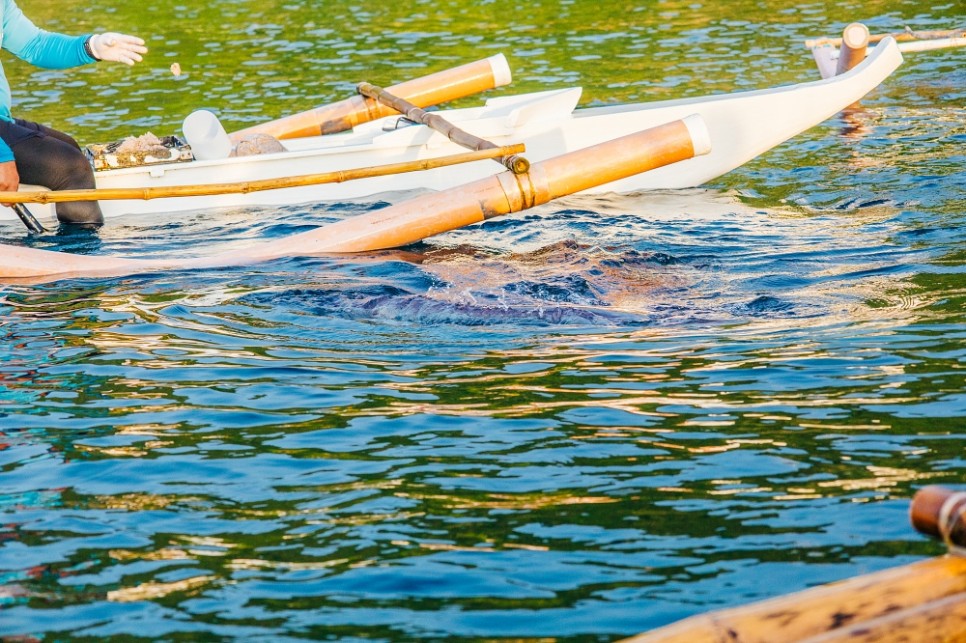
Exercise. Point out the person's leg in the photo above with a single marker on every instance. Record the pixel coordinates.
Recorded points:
(53, 159)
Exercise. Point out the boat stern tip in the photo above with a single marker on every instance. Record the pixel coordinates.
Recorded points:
(891, 43)
(885, 56)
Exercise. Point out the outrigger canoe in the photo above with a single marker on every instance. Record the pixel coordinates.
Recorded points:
(742, 126)
(660, 145)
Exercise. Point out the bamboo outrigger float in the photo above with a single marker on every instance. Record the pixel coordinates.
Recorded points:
(411, 220)
(921, 602)
(441, 87)
(743, 125)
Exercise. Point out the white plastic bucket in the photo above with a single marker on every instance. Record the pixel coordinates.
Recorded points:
(206, 136)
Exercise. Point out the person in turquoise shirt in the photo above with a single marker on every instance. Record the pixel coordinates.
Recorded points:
(37, 154)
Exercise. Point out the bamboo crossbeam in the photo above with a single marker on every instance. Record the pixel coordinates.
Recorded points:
(514, 163)
(930, 45)
(245, 187)
(829, 59)
(907, 47)
(903, 36)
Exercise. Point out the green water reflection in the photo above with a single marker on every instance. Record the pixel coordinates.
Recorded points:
(257, 60)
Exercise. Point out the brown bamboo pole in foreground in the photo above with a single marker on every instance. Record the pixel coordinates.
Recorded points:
(245, 187)
(941, 621)
(924, 601)
(815, 612)
(411, 220)
(434, 89)
(516, 164)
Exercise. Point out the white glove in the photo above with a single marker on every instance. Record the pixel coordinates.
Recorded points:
(117, 47)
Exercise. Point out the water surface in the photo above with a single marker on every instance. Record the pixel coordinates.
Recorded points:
(576, 423)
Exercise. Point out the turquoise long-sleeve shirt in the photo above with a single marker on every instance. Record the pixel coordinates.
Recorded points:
(24, 40)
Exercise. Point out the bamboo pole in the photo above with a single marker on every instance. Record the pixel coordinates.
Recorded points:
(941, 621)
(411, 220)
(855, 45)
(903, 36)
(819, 610)
(432, 214)
(245, 187)
(514, 163)
(930, 45)
(434, 89)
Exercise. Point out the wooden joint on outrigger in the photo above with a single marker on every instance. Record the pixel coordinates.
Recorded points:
(515, 163)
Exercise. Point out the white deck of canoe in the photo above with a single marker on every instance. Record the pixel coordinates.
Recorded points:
(742, 126)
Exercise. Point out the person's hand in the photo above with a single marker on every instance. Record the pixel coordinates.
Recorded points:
(9, 178)
(118, 48)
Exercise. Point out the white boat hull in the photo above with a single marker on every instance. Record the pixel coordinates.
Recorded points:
(742, 127)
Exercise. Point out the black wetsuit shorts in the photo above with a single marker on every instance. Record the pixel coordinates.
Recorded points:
(54, 160)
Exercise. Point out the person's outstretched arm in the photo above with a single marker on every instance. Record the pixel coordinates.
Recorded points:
(38, 47)
(58, 51)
